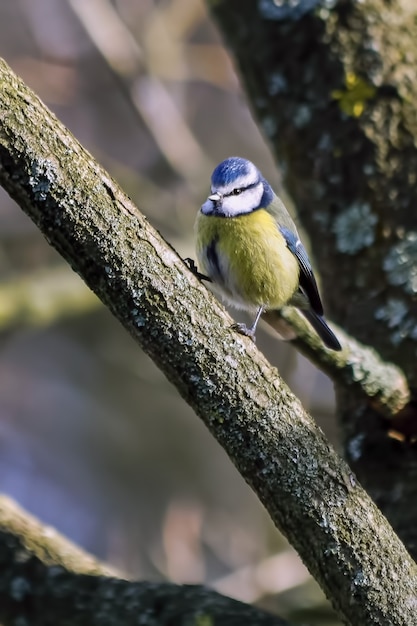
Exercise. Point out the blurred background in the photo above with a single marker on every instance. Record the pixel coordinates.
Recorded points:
(93, 439)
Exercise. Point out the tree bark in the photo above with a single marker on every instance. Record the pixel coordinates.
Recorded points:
(310, 493)
(334, 86)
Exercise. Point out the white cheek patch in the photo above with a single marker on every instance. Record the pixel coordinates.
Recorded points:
(245, 202)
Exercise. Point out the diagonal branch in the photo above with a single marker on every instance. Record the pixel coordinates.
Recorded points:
(310, 493)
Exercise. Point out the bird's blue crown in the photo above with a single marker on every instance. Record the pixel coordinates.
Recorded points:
(231, 169)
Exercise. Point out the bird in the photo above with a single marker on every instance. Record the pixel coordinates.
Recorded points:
(248, 246)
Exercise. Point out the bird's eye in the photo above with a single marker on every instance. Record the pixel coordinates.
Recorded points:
(237, 191)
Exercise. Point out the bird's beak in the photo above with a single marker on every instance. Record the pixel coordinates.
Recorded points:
(213, 204)
(215, 197)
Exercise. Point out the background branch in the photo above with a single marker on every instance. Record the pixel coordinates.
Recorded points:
(382, 385)
(42, 297)
(47, 580)
(334, 89)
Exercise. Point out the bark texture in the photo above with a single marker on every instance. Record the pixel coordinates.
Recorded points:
(334, 87)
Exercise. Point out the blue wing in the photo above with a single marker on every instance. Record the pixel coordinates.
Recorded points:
(308, 283)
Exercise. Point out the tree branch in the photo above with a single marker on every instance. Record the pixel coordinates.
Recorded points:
(382, 385)
(310, 493)
(42, 297)
(47, 581)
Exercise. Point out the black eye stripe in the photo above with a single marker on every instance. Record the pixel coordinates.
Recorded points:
(234, 192)
(239, 190)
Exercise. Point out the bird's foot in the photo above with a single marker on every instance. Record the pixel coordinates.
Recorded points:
(242, 329)
(190, 263)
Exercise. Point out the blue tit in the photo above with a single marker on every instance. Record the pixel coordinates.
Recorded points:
(248, 245)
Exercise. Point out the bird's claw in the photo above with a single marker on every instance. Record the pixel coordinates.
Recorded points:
(190, 263)
(242, 329)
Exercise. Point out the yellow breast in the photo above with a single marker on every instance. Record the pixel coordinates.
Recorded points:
(248, 258)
